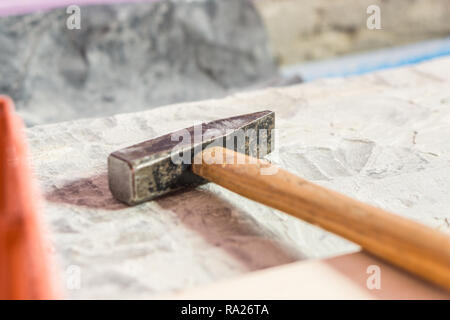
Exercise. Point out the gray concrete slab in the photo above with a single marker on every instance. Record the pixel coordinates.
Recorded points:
(382, 138)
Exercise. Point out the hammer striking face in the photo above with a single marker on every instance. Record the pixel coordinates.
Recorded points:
(161, 165)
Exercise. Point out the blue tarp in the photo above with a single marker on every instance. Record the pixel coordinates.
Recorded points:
(367, 62)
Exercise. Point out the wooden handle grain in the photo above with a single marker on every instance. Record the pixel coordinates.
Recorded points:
(405, 243)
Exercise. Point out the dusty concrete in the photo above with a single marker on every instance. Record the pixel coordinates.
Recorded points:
(381, 138)
(302, 30)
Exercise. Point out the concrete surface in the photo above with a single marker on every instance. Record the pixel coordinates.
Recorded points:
(381, 138)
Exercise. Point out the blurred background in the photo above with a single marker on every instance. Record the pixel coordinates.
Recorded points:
(302, 30)
(63, 60)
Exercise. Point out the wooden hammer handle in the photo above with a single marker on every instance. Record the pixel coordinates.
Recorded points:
(405, 243)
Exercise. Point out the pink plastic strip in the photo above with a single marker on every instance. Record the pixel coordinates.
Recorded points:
(16, 7)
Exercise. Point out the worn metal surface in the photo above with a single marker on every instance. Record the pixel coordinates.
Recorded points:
(149, 169)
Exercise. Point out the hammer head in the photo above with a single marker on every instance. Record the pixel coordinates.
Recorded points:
(161, 165)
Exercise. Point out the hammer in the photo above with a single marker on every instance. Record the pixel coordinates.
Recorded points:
(229, 153)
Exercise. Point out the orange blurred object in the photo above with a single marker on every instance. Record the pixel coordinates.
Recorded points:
(25, 268)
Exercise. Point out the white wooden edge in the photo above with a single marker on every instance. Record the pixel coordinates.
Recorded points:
(341, 277)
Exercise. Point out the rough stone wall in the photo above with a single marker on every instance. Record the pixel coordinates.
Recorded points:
(130, 57)
(308, 30)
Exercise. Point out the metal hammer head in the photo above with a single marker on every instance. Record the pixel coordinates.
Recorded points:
(161, 165)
